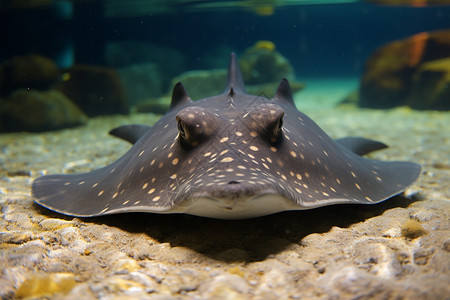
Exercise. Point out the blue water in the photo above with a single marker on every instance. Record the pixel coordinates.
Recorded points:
(319, 40)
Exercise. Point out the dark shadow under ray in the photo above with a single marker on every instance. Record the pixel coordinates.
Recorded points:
(258, 237)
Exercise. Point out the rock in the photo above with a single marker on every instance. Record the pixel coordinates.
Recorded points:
(261, 63)
(39, 111)
(169, 61)
(430, 87)
(41, 285)
(206, 83)
(29, 71)
(389, 71)
(269, 89)
(141, 81)
(157, 106)
(96, 90)
(202, 83)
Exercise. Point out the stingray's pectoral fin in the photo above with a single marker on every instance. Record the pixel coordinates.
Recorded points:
(79, 195)
(360, 145)
(130, 133)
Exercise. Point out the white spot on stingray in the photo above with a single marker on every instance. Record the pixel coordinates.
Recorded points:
(357, 186)
(95, 184)
(100, 193)
(254, 148)
(151, 191)
(115, 195)
(175, 161)
(227, 159)
(293, 154)
(81, 182)
(142, 152)
(224, 139)
(145, 185)
(238, 133)
(173, 176)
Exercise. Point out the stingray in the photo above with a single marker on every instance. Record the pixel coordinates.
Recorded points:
(230, 156)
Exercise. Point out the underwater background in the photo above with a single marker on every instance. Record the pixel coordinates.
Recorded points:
(109, 57)
(70, 71)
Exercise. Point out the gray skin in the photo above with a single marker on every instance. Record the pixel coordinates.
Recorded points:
(230, 156)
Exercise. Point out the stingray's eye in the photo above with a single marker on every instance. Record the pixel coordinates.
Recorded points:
(181, 129)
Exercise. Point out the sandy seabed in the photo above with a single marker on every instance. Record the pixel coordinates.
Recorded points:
(334, 252)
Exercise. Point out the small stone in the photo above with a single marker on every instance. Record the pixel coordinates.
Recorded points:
(446, 245)
(46, 285)
(225, 287)
(54, 224)
(236, 271)
(412, 229)
(20, 220)
(15, 237)
(117, 285)
(127, 265)
(421, 256)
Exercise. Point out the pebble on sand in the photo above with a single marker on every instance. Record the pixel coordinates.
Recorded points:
(46, 285)
(412, 229)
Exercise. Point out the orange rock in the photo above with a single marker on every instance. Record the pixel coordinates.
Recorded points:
(389, 71)
(431, 86)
